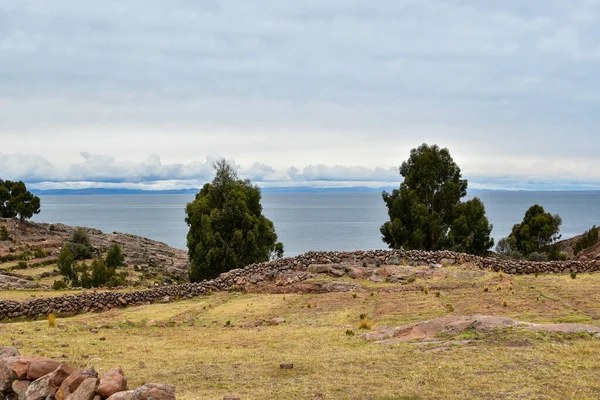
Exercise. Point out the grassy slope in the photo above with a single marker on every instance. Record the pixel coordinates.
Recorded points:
(211, 359)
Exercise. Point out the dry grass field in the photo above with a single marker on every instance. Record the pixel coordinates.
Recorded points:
(209, 347)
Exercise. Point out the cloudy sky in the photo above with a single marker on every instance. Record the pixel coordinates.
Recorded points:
(146, 93)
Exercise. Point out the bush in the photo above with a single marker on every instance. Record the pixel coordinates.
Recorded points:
(365, 324)
(52, 228)
(573, 275)
(115, 257)
(588, 239)
(59, 284)
(539, 257)
(39, 253)
(4, 235)
(556, 255)
(52, 320)
(80, 245)
(22, 265)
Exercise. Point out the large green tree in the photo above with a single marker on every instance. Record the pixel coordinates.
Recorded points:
(426, 212)
(536, 233)
(5, 207)
(17, 201)
(227, 227)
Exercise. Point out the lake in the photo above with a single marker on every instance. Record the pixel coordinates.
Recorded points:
(305, 221)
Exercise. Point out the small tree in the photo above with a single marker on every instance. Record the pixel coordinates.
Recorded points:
(470, 230)
(66, 265)
(5, 207)
(227, 227)
(115, 257)
(80, 245)
(536, 233)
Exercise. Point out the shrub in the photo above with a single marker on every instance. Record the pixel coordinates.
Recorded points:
(52, 320)
(573, 275)
(438, 294)
(588, 239)
(4, 235)
(411, 279)
(39, 253)
(539, 257)
(22, 264)
(80, 245)
(426, 290)
(556, 255)
(365, 324)
(52, 228)
(450, 307)
(115, 257)
(59, 284)
(486, 289)
(349, 332)
(363, 316)
(505, 304)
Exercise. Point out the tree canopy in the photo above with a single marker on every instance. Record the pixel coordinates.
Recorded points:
(227, 229)
(426, 212)
(535, 234)
(17, 201)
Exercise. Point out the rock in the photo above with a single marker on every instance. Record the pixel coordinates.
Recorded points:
(40, 367)
(48, 385)
(112, 382)
(277, 321)
(8, 351)
(85, 391)
(128, 395)
(151, 323)
(122, 301)
(7, 376)
(72, 382)
(337, 272)
(20, 389)
(231, 397)
(154, 391)
(286, 366)
(21, 366)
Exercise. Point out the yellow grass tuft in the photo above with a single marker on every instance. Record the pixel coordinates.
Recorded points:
(52, 320)
(365, 323)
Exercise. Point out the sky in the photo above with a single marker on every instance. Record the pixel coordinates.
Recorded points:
(147, 93)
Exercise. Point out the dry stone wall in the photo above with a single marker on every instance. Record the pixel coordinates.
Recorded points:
(256, 273)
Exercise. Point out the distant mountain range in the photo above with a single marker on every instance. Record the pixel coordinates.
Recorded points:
(104, 191)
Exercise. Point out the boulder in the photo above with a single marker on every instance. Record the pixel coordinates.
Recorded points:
(41, 367)
(112, 382)
(7, 376)
(128, 395)
(48, 385)
(20, 389)
(72, 382)
(276, 321)
(21, 366)
(9, 351)
(154, 391)
(85, 391)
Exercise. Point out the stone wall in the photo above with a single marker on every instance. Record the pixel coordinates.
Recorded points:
(255, 273)
(39, 378)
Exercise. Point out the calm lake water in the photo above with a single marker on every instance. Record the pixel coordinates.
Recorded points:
(306, 221)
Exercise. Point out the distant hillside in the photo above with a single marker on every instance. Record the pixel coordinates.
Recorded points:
(147, 257)
(568, 246)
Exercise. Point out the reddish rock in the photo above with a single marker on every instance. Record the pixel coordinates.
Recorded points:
(276, 321)
(112, 382)
(21, 366)
(128, 395)
(72, 382)
(154, 391)
(41, 367)
(85, 391)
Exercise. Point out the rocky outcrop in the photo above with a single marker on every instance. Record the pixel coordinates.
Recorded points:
(140, 253)
(278, 272)
(37, 378)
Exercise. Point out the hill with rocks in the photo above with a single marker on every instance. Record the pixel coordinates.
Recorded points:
(39, 245)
